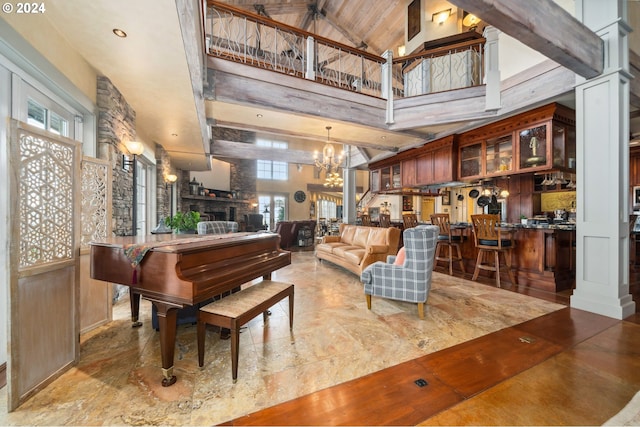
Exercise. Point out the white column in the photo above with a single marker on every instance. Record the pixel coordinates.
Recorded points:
(602, 125)
(348, 190)
(387, 84)
(492, 68)
(310, 72)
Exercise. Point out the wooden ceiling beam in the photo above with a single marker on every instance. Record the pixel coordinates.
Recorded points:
(546, 27)
(278, 7)
(285, 134)
(241, 150)
(357, 41)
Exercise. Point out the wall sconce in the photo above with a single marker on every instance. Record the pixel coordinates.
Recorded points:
(135, 148)
(441, 17)
(402, 50)
(470, 20)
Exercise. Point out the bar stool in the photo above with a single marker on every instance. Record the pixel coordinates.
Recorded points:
(446, 238)
(409, 220)
(490, 238)
(385, 220)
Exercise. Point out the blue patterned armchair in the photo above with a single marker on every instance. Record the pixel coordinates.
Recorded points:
(410, 281)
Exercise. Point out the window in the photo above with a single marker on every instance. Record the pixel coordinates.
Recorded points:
(141, 202)
(327, 209)
(273, 209)
(269, 169)
(43, 118)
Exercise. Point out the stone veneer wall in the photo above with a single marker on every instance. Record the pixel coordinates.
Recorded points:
(116, 125)
(242, 181)
(243, 175)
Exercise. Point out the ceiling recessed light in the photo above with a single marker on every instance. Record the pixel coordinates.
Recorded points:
(118, 32)
(383, 137)
(259, 115)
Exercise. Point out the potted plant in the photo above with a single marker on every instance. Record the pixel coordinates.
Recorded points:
(523, 219)
(184, 223)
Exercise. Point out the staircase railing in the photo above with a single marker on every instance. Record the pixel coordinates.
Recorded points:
(244, 37)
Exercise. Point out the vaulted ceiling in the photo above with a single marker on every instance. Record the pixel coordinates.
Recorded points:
(155, 69)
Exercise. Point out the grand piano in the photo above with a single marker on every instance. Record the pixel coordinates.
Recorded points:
(176, 271)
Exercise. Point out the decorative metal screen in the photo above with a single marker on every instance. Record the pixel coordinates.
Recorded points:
(95, 212)
(45, 198)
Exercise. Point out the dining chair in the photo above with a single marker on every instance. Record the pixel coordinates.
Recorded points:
(489, 238)
(366, 220)
(447, 239)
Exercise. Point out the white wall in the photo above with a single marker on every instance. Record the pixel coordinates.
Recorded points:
(5, 105)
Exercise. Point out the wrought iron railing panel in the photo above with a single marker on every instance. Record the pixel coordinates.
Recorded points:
(243, 37)
(430, 73)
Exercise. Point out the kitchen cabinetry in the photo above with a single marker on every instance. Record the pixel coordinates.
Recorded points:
(387, 178)
(540, 140)
(436, 166)
(471, 161)
(433, 163)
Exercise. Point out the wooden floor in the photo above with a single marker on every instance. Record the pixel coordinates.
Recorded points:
(569, 367)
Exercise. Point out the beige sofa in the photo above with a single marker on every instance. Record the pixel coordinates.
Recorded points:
(358, 246)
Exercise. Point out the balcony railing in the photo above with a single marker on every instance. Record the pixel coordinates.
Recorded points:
(243, 37)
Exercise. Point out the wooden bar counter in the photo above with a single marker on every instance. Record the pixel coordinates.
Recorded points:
(543, 258)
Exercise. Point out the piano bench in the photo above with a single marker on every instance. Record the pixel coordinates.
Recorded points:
(237, 309)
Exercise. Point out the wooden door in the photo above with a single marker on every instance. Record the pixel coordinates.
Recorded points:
(43, 259)
(428, 208)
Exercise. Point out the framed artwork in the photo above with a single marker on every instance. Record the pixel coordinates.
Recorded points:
(413, 19)
(446, 197)
(636, 196)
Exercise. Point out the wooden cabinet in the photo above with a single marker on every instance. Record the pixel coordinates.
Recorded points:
(424, 169)
(433, 163)
(443, 165)
(409, 173)
(540, 140)
(471, 161)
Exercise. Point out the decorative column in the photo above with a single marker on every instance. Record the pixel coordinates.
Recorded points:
(602, 125)
(492, 68)
(348, 190)
(387, 85)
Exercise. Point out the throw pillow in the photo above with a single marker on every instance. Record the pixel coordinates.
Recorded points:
(400, 257)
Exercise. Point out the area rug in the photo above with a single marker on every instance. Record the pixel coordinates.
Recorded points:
(335, 338)
(629, 415)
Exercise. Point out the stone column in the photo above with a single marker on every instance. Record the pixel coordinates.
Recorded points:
(602, 125)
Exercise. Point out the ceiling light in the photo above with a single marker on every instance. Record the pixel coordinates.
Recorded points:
(118, 32)
(259, 115)
(441, 17)
(330, 162)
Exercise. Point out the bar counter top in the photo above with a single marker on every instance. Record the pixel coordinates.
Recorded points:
(559, 226)
(543, 256)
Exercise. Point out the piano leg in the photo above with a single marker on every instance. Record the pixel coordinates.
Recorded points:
(134, 300)
(167, 315)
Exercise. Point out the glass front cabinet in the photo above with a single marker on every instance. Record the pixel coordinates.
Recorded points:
(540, 140)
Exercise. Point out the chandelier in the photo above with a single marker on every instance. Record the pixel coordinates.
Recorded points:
(333, 179)
(329, 162)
